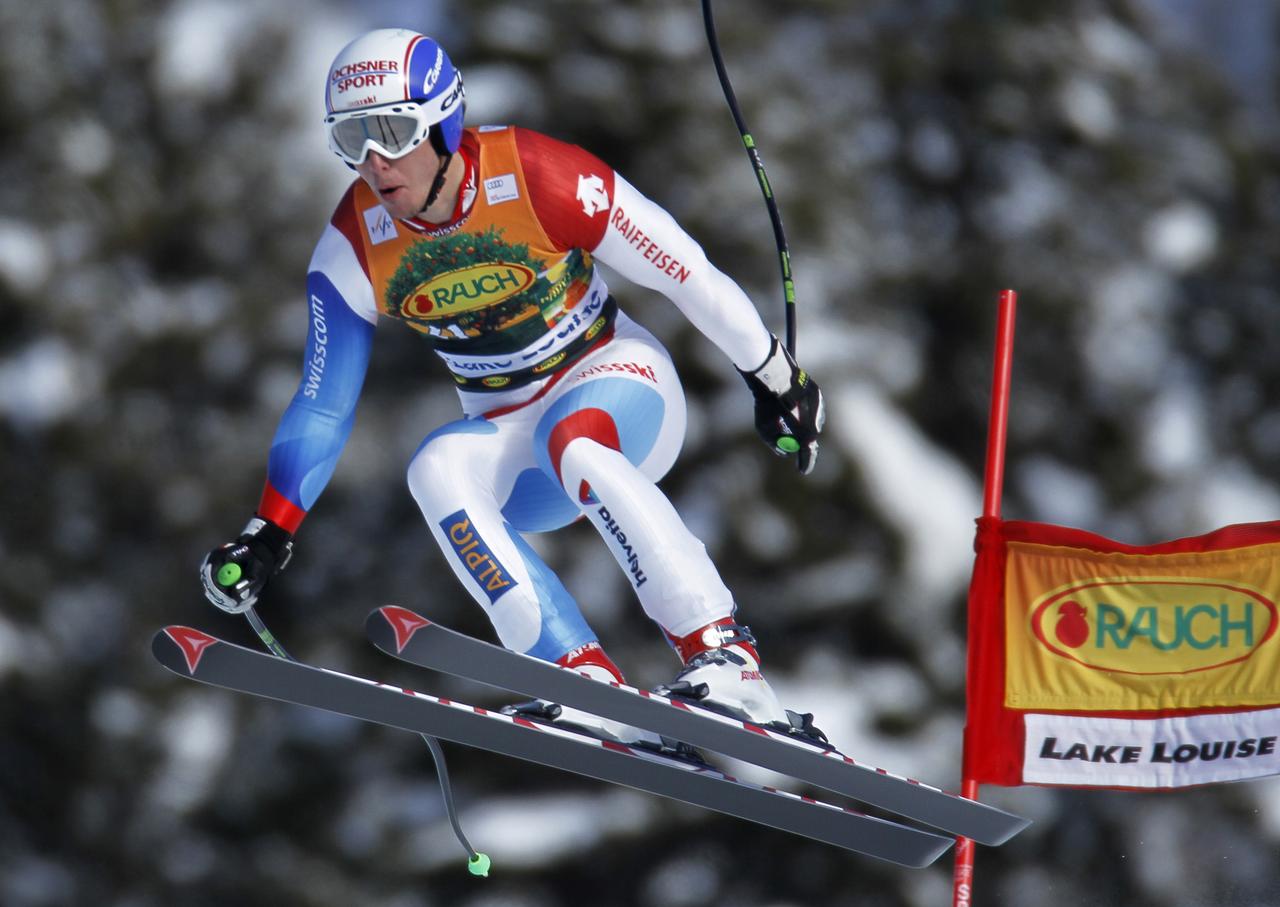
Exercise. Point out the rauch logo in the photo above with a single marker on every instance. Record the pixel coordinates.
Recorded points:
(1154, 626)
(461, 290)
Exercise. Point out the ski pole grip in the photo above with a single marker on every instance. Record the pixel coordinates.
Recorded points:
(229, 574)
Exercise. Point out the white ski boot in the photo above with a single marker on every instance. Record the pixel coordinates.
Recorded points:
(725, 677)
(728, 681)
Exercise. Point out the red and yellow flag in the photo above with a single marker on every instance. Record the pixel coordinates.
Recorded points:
(1094, 663)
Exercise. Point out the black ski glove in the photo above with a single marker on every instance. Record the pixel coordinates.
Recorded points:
(789, 410)
(234, 574)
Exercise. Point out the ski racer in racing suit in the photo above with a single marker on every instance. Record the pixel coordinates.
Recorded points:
(484, 241)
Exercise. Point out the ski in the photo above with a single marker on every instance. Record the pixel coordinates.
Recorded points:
(199, 656)
(411, 637)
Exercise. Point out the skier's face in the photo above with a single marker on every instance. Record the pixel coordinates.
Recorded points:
(402, 184)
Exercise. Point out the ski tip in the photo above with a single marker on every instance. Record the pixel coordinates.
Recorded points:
(403, 623)
(1015, 824)
(188, 642)
(932, 856)
(396, 612)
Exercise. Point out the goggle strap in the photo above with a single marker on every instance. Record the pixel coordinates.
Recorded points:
(438, 183)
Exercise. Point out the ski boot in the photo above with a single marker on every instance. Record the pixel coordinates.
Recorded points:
(722, 674)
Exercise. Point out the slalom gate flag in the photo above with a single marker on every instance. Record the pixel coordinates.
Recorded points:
(1098, 664)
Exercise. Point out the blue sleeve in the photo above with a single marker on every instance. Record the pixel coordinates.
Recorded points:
(318, 421)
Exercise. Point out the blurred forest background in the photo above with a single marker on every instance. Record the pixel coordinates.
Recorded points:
(165, 175)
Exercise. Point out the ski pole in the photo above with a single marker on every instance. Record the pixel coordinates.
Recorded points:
(779, 235)
(478, 864)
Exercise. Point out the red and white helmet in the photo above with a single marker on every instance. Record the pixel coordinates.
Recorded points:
(390, 90)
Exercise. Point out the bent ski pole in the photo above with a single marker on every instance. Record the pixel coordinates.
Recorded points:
(779, 235)
(477, 863)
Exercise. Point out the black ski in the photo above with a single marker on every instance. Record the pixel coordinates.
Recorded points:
(411, 637)
(192, 653)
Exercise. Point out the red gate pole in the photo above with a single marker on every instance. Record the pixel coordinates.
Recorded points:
(998, 422)
(992, 490)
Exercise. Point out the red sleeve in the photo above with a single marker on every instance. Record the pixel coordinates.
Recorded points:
(571, 190)
(347, 222)
(280, 510)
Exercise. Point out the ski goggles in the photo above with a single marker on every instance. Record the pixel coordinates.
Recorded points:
(391, 131)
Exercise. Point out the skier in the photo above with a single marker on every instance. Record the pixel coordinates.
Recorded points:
(484, 241)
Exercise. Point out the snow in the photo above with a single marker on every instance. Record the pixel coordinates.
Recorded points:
(196, 42)
(834, 583)
(514, 30)
(517, 827)
(919, 489)
(768, 533)
(26, 257)
(45, 382)
(84, 620)
(1087, 106)
(1233, 493)
(886, 355)
(118, 712)
(1031, 196)
(687, 881)
(499, 93)
(876, 141)
(934, 150)
(31, 880)
(187, 858)
(86, 147)
(1127, 341)
(12, 650)
(196, 735)
(1175, 436)
(1114, 48)
(669, 34)
(183, 502)
(1182, 236)
(1057, 493)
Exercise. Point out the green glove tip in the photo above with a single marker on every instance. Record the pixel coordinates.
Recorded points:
(788, 444)
(479, 865)
(229, 574)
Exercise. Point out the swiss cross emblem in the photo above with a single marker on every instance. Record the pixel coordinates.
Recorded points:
(592, 194)
(404, 622)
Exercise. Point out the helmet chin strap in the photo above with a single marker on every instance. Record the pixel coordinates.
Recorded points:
(438, 183)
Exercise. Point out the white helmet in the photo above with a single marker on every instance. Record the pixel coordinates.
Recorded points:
(390, 90)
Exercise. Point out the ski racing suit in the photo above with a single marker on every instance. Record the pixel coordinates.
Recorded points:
(570, 408)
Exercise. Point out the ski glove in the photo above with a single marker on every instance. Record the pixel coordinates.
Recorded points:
(789, 410)
(234, 574)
